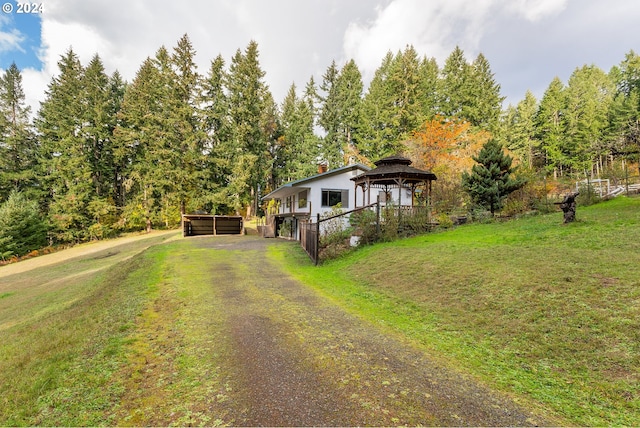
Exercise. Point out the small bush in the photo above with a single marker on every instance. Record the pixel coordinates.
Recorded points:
(588, 196)
(444, 221)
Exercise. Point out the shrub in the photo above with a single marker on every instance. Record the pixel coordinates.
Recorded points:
(366, 225)
(444, 221)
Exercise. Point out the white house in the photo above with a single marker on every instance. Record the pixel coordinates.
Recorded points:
(393, 182)
(304, 199)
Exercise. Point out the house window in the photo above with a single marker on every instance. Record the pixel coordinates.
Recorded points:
(331, 198)
(302, 199)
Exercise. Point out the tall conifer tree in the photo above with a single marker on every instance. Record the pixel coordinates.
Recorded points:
(329, 118)
(485, 101)
(217, 133)
(349, 96)
(18, 147)
(138, 133)
(250, 157)
(589, 93)
(101, 102)
(550, 126)
(456, 85)
(378, 137)
(67, 156)
(521, 132)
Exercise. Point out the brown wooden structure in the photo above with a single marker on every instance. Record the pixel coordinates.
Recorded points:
(200, 224)
(395, 172)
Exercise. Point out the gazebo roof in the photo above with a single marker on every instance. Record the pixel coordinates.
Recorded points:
(394, 171)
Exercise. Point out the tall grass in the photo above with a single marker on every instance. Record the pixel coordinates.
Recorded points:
(548, 311)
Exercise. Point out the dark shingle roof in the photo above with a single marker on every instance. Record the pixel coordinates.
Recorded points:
(391, 169)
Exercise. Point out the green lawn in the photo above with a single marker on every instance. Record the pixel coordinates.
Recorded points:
(547, 312)
(543, 310)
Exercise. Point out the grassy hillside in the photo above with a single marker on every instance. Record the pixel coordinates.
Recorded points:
(537, 308)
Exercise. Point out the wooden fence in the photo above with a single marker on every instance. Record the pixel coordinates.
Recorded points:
(310, 239)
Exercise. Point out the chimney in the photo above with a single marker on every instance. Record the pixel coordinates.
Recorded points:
(322, 167)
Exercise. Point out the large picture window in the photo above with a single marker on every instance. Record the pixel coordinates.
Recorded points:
(332, 198)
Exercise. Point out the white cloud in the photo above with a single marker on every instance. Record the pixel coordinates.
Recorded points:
(10, 39)
(34, 83)
(527, 42)
(435, 27)
(296, 39)
(534, 10)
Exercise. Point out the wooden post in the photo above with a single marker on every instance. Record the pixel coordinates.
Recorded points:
(626, 177)
(315, 258)
(378, 217)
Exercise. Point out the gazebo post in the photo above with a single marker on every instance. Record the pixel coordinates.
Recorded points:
(355, 195)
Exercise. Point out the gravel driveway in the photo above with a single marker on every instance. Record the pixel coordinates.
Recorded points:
(298, 359)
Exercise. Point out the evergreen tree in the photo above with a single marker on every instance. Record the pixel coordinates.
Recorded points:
(188, 140)
(311, 97)
(485, 102)
(429, 90)
(101, 102)
(69, 176)
(270, 124)
(18, 147)
(349, 96)
(378, 137)
(588, 95)
(22, 228)
(117, 89)
(623, 130)
(490, 182)
(138, 133)
(404, 82)
(520, 132)
(250, 154)
(550, 126)
(456, 86)
(628, 79)
(329, 118)
(217, 147)
(298, 145)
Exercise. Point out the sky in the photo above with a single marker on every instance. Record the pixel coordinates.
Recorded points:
(527, 42)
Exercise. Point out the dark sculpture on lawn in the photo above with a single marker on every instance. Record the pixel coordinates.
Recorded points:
(568, 206)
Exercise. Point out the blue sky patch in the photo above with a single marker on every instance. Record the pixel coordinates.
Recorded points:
(20, 35)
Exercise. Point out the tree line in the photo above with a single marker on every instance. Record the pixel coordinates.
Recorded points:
(103, 155)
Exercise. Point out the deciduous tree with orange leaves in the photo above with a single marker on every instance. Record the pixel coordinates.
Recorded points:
(445, 146)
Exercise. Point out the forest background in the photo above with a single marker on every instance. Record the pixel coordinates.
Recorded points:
(102, 155)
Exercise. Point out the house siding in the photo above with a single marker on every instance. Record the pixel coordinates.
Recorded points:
(302, 200)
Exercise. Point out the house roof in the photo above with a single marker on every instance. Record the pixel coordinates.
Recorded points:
(287, 189)
(394, 171)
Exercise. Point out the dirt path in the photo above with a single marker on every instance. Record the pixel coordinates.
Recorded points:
(297, 359)
(77, 251)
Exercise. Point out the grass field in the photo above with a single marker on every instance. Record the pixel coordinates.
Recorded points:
(542, 310)
(547, 312)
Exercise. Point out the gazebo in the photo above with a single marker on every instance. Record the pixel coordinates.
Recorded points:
(395, 172)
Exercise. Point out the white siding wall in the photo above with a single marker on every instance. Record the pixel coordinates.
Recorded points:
(334, 182)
